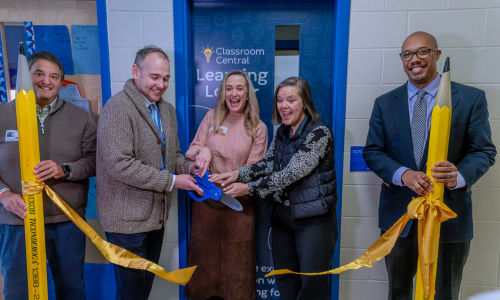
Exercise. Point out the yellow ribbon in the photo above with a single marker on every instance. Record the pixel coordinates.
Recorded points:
(113, 253)
(429, 213)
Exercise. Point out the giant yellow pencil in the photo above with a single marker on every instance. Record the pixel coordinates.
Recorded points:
(438, 151)
(29, 154)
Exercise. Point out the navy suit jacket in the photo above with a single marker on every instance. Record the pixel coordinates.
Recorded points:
(389, 146)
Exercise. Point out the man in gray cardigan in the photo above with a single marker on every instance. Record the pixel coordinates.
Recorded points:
(136, 136)
(67, 138)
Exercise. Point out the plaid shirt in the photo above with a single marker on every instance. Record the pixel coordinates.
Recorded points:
(42, 113)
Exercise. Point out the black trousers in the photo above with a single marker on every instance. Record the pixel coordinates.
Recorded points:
(402, 263)
(133, 284)
(303, 245)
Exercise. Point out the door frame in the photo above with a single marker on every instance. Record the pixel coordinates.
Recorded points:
(183, 68)
(182, 48)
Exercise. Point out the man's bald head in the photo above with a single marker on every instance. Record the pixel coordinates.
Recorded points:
(431, 40)
(420, 68)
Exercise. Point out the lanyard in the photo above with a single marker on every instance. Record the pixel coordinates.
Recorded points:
(163, 150)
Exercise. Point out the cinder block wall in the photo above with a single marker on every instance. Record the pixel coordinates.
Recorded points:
(132, 25)
(468, 32)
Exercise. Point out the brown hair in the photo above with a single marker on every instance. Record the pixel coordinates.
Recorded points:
(141, 54)
(32, 59)
(251, 107)
(304, 91)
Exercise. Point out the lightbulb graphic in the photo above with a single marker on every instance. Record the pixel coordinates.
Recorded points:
(207, 53)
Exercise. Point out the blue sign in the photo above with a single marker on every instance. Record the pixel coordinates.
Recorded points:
(241, 36)
(55, 39)
(357, 160)
(227, 39)
(85, 49)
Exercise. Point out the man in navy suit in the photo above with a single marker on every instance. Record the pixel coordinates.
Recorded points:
(396, 150)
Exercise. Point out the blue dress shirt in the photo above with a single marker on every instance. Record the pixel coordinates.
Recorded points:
(430, 97)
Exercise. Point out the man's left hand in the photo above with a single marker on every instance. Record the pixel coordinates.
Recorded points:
(48, 169)
(445, 172)
(237, 189)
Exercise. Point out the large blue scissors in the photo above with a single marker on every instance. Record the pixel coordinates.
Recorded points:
(211, 191)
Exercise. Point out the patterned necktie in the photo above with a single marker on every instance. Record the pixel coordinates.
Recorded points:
(419, 126)
(152, 112)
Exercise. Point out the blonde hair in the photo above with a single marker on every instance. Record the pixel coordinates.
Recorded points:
(251, 111)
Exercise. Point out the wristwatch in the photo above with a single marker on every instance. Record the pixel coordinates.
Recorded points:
(67, 171)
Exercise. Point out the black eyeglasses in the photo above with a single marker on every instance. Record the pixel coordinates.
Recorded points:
(421, 53)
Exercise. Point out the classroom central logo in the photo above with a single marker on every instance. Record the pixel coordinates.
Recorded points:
(207, 52)
(230, 56)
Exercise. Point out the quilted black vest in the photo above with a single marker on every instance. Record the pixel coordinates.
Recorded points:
(315, 193)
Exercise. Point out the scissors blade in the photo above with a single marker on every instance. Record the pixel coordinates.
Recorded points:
(231, 202)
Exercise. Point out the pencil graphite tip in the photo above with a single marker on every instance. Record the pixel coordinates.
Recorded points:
(23, 74)
(443, 97)
(22, 51)
(446, 65)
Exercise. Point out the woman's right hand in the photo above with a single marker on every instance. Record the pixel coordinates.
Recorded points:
(203, 160)
(225, 179)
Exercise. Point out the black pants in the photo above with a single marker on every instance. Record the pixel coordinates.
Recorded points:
(303, 245)
(402, 262)
(133, 284)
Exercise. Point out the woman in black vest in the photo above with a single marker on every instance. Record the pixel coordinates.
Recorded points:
(297, 177)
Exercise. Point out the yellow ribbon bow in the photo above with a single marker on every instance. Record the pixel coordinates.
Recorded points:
(113, 253)
(429, 213)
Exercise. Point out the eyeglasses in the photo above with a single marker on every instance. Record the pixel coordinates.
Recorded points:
(421, 53)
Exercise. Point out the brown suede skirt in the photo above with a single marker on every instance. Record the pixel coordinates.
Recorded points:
(222, 246)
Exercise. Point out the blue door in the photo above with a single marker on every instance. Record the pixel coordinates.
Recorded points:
(213, 38)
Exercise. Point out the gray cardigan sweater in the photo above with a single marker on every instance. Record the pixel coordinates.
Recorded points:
(70, 137)
(132, 194)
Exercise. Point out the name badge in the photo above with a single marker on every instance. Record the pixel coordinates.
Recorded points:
(11, 136)
(224, 129)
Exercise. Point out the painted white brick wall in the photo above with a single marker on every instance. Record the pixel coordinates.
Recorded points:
(132, 25)
(469, 32)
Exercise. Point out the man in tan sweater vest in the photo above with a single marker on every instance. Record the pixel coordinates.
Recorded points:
(136, 136)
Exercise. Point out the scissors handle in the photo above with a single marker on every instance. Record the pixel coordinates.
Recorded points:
(210, 190)
(204, 181)
(214, 194)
